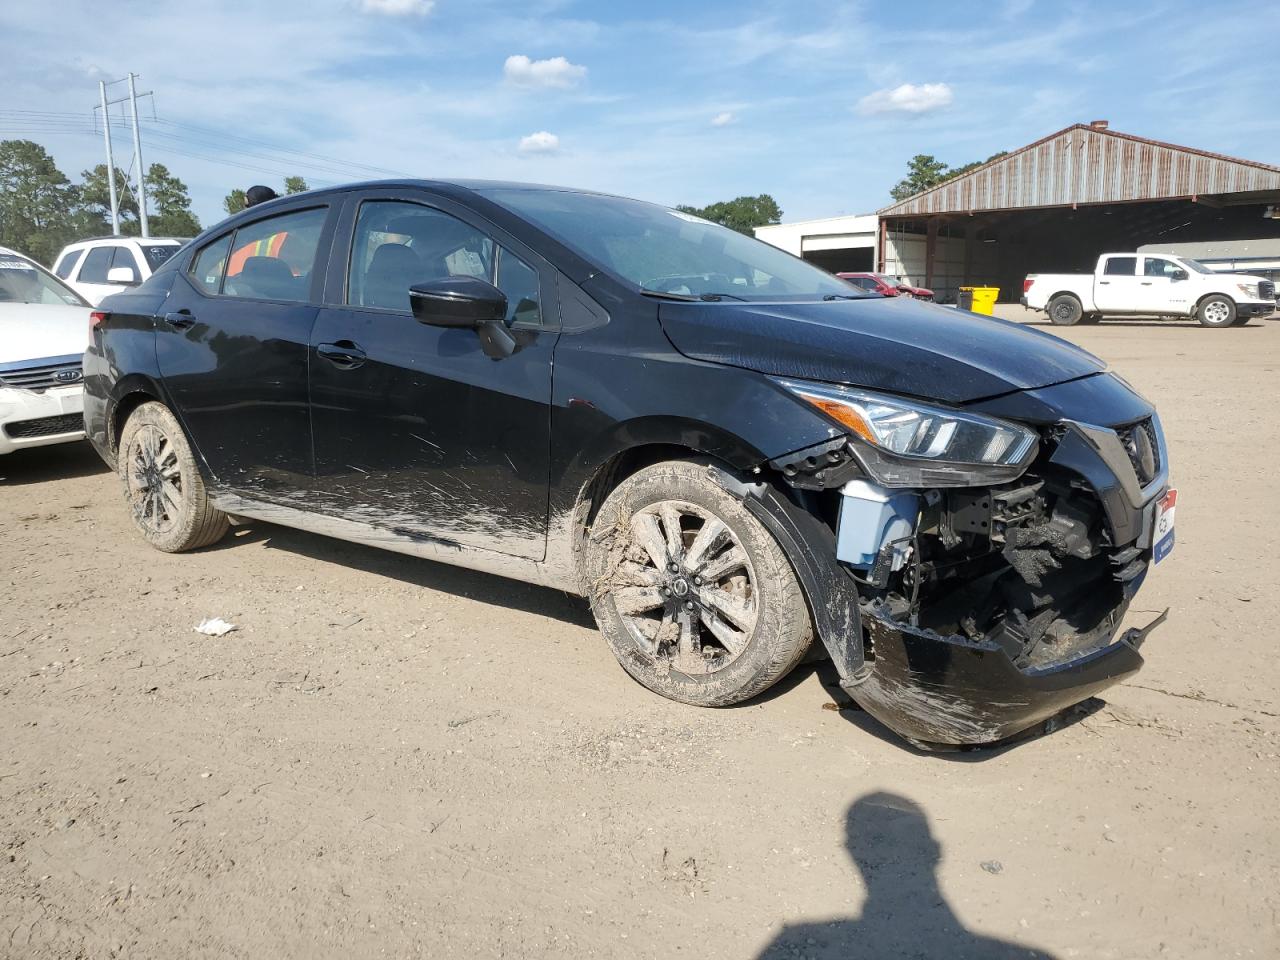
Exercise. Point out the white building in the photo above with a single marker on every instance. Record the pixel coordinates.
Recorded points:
(833, 243)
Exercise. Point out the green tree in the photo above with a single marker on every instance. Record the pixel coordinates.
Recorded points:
(38, 203)
(742, 214)
(923, 171)
(95, 202)
(170, 205)
(295, 185)
(233, 202)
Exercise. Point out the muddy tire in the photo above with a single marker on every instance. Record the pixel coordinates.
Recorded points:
(1216, 311)
(1064, 310)
(162, 483)
(694, 596)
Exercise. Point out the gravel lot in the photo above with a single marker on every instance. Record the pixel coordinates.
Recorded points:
(394, 758)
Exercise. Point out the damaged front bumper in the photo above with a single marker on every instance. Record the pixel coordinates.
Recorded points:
(935, 689)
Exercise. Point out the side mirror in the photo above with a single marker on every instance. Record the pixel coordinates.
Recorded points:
(466, 302)
(126, 275)
(1179, 274)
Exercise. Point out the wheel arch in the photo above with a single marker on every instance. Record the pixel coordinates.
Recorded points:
(129, 394)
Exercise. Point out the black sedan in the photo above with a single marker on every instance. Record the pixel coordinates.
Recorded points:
(732, 454)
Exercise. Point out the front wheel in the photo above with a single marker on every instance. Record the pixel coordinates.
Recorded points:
(1065, 310)
(1216, 311)
(162, 483)
(693, 595)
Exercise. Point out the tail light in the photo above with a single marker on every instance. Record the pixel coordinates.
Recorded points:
(1026, 284)
(96, 319)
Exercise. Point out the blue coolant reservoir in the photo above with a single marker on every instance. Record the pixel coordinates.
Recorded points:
(870, 517)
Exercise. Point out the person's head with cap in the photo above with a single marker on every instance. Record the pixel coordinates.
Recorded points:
(258, 194)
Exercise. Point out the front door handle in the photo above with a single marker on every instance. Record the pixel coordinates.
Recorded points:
(1104, 283)
(181, 319)
(1146, 283)
(343, 354)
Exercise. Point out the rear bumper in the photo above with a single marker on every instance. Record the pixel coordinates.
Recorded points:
(31, 419)
(933, 689)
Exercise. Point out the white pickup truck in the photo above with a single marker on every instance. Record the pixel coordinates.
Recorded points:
(1149, 284)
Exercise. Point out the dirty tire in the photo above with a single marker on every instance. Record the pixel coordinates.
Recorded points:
(1216, 311)
(162, 484)
(750, 624)
(1064, 310)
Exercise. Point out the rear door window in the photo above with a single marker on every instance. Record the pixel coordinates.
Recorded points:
(1121, 266)
(273, 259)
(68, 263)
(96, 264)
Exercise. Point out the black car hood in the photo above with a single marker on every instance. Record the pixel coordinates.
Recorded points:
(893, 344)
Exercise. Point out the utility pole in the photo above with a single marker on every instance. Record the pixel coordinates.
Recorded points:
(111, 164)
(106, 104)
(137, 154)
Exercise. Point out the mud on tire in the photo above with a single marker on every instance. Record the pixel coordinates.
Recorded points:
(162, 483)
(694, 596)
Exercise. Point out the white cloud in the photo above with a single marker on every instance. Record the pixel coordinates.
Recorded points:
(398, 8)
(554, 72)
(908, 98)
(722, 119)
(540, 142)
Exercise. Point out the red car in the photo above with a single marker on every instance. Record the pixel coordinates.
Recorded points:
(886, 285)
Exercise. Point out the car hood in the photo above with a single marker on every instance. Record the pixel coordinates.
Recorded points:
(34, 331)
(893, 344)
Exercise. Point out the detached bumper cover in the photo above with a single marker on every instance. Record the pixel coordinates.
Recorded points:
(949, 690)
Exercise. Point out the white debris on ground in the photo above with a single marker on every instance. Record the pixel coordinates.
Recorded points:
(215, 627)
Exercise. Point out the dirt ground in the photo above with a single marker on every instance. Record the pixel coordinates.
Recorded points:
(390, 758)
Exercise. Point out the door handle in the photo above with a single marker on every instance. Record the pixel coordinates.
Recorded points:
(343, 354)
(181, 319)
(1146, 283)
(1104, 283)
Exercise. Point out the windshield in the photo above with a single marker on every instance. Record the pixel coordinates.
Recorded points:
(666, 251)
(1196, 265)
(21, 281)
(157, 254)
(892, 280)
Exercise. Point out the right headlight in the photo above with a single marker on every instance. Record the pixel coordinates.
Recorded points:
(905, 443)
(1250, 290)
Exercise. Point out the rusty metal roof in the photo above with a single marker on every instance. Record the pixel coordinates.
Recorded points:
(1084, 164)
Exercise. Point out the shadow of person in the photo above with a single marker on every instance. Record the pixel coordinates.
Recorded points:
(904, 913)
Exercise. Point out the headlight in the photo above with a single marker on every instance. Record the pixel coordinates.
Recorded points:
(903, 443)
(1250, 290)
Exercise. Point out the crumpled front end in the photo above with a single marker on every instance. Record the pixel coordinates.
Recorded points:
(985, 611)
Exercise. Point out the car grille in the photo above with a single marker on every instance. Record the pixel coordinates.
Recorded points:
(1267, 290)
(45, 426)
(1141, 444)
(40, 375)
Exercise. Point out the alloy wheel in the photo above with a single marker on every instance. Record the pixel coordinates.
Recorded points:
(155, 487)
(685, 588)
(1216, 312)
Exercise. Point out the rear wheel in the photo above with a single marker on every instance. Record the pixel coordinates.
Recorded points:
(162, 483)
(1216, 311)
(693, 595)
(1064, 310)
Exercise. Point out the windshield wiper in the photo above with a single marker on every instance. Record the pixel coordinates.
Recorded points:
(688, 297)
(845, 296)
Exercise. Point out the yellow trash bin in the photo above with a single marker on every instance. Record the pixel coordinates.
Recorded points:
(984, 298)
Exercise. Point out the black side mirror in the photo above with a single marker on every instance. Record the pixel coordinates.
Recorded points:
(1179, 274)
(466, 302)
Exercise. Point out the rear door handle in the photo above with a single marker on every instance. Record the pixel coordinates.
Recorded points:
(1146, 283)
(1104, 283)
(181, 319)
(343, 354)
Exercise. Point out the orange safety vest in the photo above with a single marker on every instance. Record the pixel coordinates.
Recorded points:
(267, 247)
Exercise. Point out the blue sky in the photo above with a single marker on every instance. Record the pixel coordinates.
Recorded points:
(819, 104)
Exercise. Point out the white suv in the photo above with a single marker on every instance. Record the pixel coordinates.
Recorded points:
(44, 328)
(105, 265)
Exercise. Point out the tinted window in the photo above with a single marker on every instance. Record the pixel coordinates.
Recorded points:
(157, 255)
(1153, 267)
(273, 259)
(96, 264)
(519, 282)
(206, 267)
(124, 258)
(68, 263)
(399, 244)
(1121, 266)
